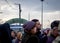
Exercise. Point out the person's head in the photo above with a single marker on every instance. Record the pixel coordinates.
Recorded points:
(30, 27)
(13, 34)
(54, 27)
(19, 35)
(38, 25)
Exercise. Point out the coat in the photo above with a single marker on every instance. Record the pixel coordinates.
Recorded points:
(17, 41)
(51, 38)
(5, 35)
(57, 40)
(42, 37)
(27, 38)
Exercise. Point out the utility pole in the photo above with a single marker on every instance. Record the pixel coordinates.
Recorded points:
(42, 12)
(19, 12)
(0, 10)
(19, 16)
(29, 16)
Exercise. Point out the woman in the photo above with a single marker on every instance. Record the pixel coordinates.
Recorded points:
(29, 33)
(13, 36)
(19, 37)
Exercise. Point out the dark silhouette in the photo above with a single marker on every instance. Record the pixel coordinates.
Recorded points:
(5, 36)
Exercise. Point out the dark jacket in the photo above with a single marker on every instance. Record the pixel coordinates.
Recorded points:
(18, 41)
(51, 38)
(42, 37)
(28, 38)
(5, 36)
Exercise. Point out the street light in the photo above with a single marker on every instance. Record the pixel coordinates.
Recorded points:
(42, 0)
(42, 12)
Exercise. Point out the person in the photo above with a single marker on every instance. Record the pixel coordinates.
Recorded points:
(29, 33)
(19, 37)
(5, 36)
(46, 31)
(54, 31)
(38, 25)
(57, 40)
(41, 37)
(13, 35)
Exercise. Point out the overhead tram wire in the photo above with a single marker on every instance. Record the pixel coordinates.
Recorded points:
(10, 5)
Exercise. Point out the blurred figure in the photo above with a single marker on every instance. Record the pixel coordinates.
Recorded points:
(19, 37)
(57, 40)
(54, 31)
(46, 31)
(41, 37)
(5, 36)
(29, 33)
(13, 36)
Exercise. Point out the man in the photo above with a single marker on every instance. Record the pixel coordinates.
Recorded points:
(42, 37)
(38, 25)
(54, 31)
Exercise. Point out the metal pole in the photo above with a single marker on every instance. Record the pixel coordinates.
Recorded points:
(29, 16)
(19, 16)
(42, 13)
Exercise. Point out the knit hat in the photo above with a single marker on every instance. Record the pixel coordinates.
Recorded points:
(29, 25)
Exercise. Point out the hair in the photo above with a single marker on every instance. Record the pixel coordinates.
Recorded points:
(19, 35)
(55, 24)
(35, 20)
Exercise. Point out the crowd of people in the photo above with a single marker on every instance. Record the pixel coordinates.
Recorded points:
(32, 33)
